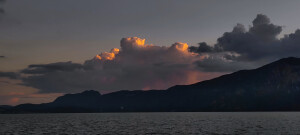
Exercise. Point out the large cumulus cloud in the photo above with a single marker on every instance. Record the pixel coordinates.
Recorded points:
(135, 65)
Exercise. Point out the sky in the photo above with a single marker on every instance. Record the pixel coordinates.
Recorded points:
(52, 47)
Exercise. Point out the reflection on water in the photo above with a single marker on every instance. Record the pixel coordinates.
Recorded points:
(153, 123)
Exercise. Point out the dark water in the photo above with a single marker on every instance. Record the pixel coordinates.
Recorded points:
(153, 123)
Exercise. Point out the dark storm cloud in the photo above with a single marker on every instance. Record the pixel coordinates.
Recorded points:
(290, 45)
(10, 75)
(202, 48)
(258, 43)
(263, 29)
(2, 56)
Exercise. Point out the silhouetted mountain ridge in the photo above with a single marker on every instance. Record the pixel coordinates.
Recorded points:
(85, 99)
(273, 87)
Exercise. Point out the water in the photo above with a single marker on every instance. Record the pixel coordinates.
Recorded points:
(152, 123)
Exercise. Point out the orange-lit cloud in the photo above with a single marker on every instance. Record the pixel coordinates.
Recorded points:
(135, 65)
(134, 46)
(180, 46)
(107, 55)
(132, 42)
(115, 50)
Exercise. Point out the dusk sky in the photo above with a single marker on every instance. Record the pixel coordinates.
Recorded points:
(52, 47)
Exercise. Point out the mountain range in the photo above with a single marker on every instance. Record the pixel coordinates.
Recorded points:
(273, 87)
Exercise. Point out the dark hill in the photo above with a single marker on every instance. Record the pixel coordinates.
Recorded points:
(86, 99)
(273, 87)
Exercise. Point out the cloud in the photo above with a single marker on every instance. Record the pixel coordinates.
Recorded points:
(221, 62)
(258, 42)
(249, 48)
(53, 67)
(202, 48)
(2, 56)
(108, 55)
(11, 75)
(135, 65)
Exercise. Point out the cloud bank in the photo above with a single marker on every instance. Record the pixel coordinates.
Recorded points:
(137, 65)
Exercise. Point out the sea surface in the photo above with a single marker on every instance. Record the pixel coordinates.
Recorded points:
(180, 123)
